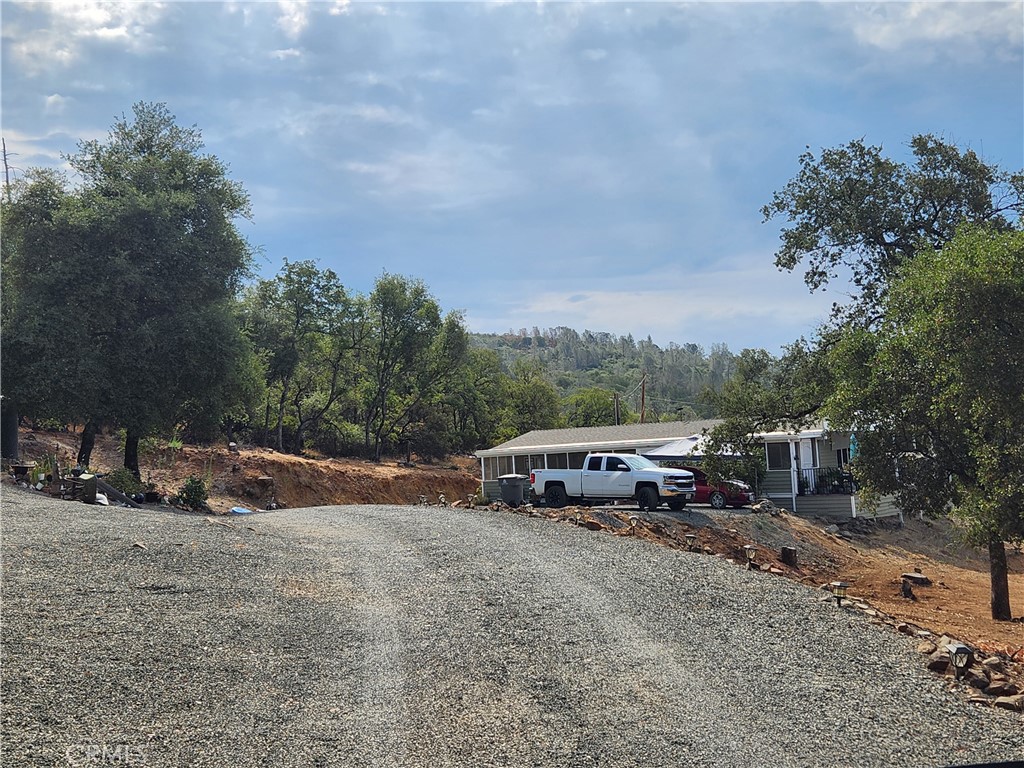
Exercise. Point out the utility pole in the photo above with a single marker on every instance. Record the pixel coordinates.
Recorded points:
(643, 398)
(616, 399)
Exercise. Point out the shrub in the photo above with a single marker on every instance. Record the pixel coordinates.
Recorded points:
(123, 480)
(193, 493)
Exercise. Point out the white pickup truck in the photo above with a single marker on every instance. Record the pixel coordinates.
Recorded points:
(608, 476)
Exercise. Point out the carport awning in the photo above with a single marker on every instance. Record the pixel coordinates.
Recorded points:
(686, 448)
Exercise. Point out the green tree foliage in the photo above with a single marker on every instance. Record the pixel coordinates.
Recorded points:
(474, 400)
(933, 409)
(310, 333)
(856, 211)
(593, 407)
(412, 356)
(531, 402)
(936, 394)
(122, 287)
(573, 361)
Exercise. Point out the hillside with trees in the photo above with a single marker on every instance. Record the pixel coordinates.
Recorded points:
(129, 305)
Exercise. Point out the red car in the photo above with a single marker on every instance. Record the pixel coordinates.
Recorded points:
(728, 493)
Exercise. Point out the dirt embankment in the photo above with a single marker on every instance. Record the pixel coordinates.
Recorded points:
(255, 477)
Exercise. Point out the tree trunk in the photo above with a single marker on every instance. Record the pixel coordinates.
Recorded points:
(87, 444)
(280, 417)
(266, 426)
(131, 452)
(1000, 584)
(9, 429)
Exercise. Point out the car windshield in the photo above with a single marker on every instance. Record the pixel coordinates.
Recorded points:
(639, 462)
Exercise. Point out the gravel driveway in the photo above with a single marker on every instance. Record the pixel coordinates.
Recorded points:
(405, 636)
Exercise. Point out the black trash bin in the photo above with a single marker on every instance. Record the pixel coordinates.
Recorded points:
(513, 489)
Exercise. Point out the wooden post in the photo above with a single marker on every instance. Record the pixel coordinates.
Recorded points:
(788, 556)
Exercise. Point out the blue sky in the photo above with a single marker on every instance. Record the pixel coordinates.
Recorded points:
(595, 165)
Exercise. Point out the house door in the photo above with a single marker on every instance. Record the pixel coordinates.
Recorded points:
(808, 463)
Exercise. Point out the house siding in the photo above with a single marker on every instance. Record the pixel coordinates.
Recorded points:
(836, 506)
(777, 484)
(887, 507)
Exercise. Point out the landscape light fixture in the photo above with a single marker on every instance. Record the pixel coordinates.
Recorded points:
(839, 590)
(577, 517)
(751, 551)
(961, 656)
(632, 524)
(691, 541)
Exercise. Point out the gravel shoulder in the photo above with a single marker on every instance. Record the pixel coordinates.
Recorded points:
(405, 636)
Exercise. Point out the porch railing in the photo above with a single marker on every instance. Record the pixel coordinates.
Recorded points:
(827, 480)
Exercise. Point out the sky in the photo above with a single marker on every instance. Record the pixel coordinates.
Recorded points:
(594, 165)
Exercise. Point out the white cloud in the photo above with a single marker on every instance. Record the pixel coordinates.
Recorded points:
(285, 53)
(371, 79)
(377, 113)
(54, 104)
(892, 26)
(451, 173)
(70, 25)
(340, 7)
(293, 18)
(740, 303)
(319, 118)
(595, 54)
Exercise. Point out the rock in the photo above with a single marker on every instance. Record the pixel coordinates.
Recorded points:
(1012, 703)
(926, 647)
(976, 680)
(776, 571)
(976, 699)
(832, 530)
(1002, 688)
(938, 661)
(906, 629)
(917, 578)
(994, 663)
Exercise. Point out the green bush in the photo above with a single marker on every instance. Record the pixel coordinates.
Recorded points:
(193, 493)
(124, 481)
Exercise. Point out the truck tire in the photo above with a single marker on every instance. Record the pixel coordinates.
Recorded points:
(648, 498)
(556, 496)
(676, 506)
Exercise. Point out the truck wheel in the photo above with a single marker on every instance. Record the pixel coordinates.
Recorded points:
(717, 500)
(556, 496)
(648, 498)
(676, 506)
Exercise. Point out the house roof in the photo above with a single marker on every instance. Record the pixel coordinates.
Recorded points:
(597, 438)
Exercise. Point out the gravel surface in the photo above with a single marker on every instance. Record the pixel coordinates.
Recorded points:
(407, 636)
